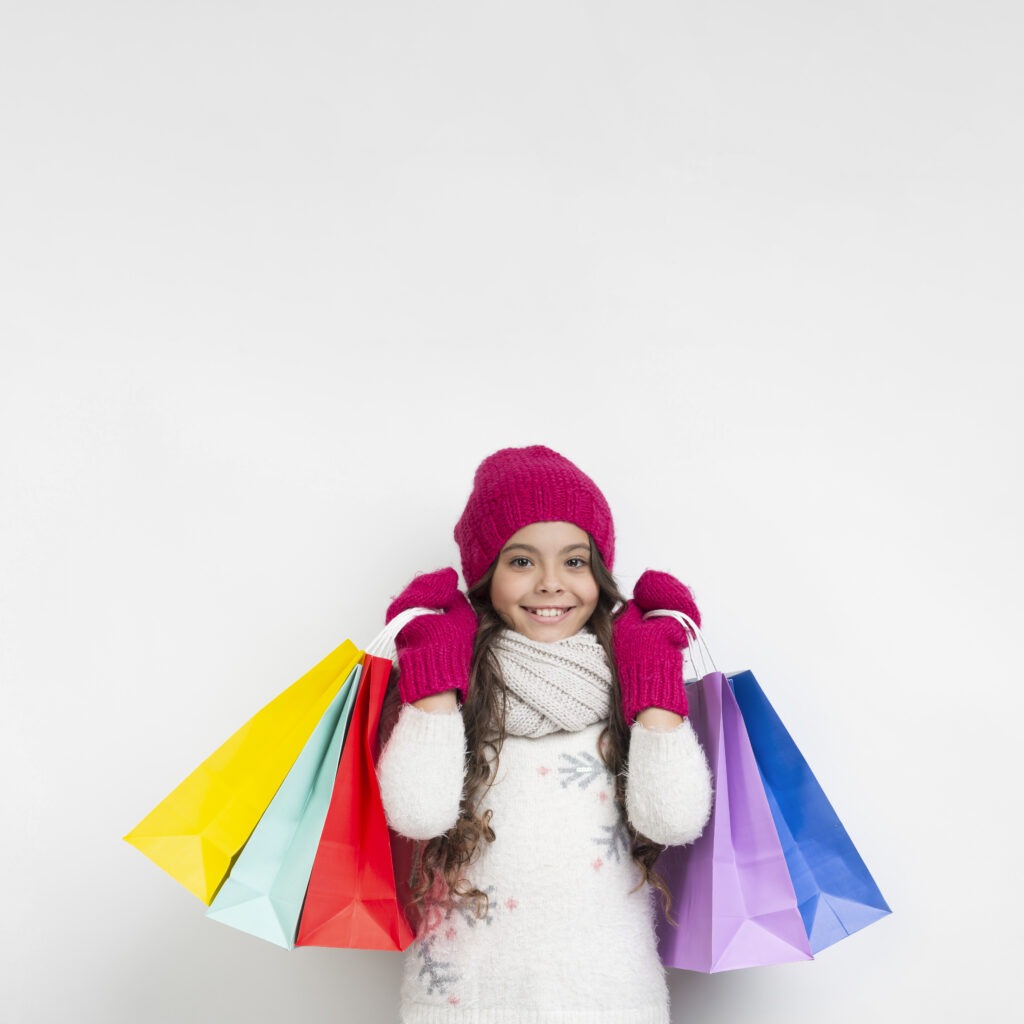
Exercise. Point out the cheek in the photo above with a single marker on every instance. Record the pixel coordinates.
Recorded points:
(503, 600)
(591, 593)
(500, 591)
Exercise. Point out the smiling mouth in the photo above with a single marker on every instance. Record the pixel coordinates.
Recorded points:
(547, 614)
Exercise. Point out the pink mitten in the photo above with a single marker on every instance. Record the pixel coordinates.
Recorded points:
(649, 653)
(434, 651)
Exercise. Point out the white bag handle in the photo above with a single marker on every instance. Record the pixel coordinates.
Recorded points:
(698, 644)
(383, 644)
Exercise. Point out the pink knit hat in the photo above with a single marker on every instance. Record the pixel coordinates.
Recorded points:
(515, 487)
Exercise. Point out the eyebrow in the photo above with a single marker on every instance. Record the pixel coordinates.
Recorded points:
(536, 551)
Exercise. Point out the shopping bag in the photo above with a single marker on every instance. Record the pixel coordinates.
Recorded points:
(195, 833)
(264, 892)
(352, 898)
(834, 889)
(731, 889)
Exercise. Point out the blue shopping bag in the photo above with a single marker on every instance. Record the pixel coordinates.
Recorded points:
(834, 889)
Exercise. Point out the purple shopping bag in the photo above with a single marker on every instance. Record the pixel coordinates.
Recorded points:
(732, 892)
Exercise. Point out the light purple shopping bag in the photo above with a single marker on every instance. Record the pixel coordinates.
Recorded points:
(731, 890)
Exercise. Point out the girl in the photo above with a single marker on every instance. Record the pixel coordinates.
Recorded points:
(536, 873)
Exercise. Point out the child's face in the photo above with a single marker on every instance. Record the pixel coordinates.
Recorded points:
(543, 585)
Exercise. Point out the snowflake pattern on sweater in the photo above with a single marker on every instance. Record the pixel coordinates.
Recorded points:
(565, 937)
(582, 769)
(435, 974)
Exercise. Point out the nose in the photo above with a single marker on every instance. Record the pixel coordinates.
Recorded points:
(550, 582)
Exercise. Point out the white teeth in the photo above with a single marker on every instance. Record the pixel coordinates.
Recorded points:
(548, 613)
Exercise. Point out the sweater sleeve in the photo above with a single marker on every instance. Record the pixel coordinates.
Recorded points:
(668, 788)
(421, 772)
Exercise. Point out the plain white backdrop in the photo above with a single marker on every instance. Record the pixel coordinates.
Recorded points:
(275, 277)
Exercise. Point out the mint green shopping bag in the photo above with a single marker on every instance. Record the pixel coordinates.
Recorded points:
(264, 892)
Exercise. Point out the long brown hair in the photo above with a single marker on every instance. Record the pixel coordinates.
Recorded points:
(439, 875)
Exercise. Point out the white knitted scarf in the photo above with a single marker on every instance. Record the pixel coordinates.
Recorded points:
(558, 687)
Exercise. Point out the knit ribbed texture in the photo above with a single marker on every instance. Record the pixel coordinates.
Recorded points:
(565, 685)
(649, 652)
(649, 664)
(434, 661)
(434, 651)
(515, 487)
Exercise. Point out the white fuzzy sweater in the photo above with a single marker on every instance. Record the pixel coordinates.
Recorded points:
(565, 941)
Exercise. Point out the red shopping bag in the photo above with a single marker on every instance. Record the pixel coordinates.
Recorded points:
(352, 900)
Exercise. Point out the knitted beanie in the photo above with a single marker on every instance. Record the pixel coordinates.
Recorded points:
(515, 487)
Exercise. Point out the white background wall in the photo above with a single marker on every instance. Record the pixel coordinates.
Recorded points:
(275, 277)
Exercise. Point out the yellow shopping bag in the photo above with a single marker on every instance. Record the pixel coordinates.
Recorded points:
(196, 832)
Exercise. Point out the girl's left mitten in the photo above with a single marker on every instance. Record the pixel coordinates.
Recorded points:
(434, 651)
(649, 652)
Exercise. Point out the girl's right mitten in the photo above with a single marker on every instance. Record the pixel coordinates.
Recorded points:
(434, 651)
